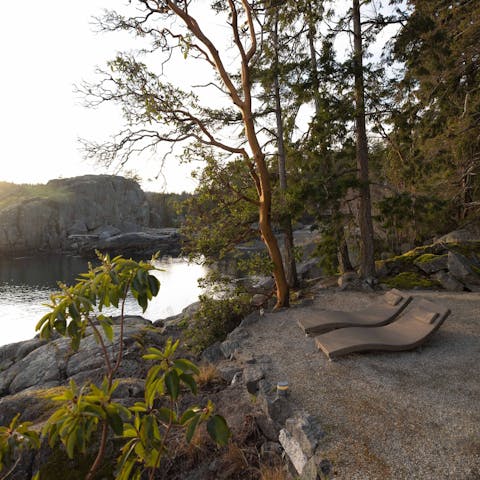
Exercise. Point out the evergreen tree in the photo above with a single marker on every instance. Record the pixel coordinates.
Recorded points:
(434, 145)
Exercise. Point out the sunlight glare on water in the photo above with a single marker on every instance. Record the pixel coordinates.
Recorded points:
(26, 284)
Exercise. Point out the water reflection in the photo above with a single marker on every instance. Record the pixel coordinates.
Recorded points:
(26, 283)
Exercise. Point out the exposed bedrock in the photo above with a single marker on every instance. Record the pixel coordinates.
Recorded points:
(80, 214)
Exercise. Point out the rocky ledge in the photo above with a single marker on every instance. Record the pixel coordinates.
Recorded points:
(451, 266)
(32, 370)
(167, 241)
(78, 215)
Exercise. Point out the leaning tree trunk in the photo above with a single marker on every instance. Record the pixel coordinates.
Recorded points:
(256, 164)
(290, 265)
(367, 261)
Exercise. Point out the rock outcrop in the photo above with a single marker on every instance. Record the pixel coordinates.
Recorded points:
(33, 370)
(38, 364)
(451, 266)
(81, 214)
(147, 242)
(78, 205)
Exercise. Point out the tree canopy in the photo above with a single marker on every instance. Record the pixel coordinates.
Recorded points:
(363, 121)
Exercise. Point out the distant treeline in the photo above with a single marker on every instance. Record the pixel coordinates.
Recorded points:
(11, 193)
(166, 209)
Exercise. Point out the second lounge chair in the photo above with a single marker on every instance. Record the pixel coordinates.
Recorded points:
(408, 331)
(382, 312)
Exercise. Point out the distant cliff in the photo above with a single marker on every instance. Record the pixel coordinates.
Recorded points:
(44, 217)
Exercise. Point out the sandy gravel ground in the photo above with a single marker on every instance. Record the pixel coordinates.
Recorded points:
(406, 415)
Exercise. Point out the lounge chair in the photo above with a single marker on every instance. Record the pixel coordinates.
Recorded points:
(381, 313)
(408, 331)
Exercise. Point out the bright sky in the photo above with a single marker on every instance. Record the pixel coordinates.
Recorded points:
(46, 48)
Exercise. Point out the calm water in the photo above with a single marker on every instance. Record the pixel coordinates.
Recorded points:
(26, 283)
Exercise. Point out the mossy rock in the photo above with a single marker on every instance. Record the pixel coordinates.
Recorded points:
(427, 257)
(430, 263)
(35, 405)
(406, 262)
(467, 249)
(409, 281)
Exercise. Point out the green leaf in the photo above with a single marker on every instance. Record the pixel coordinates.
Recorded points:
(70, 444)
(142, 300)
(60, 325)
(190, 382)
(186, 366)
(41, 322)
(153, 285)
(151, 390)
(166, 415)
(108, 330)
(218, 430)
(46, 331)
(73, 311)
(115, 421)
(172, 383)
(72, 328)
(192, 426)
(188, 415)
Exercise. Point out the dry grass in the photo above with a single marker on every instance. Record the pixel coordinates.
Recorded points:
(234, 461)
(277, 472)
(207, 375)
(194, 452)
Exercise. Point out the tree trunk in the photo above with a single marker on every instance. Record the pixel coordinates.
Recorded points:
(343, 255)
(258, 171)
(367, 266)
(313, 63)
(290, 265)
(282, 287)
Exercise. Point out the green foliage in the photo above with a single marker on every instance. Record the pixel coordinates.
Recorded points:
(215, 319)
(11, 193)
(327, 248)
(146, 437)
(258, 263)
(81, 305)
(434, 145)
(82, 411)
(221, 213)
(13, 440)
(409, 280)
(166, 209)
(412, 219)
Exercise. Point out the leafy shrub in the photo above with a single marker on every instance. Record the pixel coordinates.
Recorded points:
(13, 440)
(215, 319)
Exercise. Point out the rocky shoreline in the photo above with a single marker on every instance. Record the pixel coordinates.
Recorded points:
(81, 214)
(33, 369)
(327, 400)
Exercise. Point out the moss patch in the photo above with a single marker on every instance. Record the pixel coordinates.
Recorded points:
(409, 280)
(428, 257)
